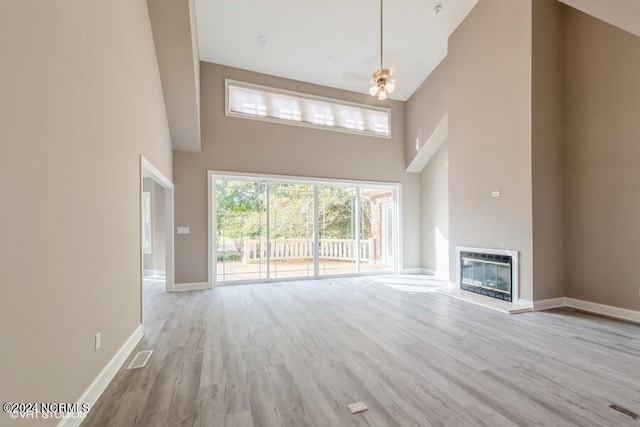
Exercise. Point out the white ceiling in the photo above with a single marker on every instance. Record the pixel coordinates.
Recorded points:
(331, 42)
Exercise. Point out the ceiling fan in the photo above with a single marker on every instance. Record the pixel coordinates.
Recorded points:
(384, 83)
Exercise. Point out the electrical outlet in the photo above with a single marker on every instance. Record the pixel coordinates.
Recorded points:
(495, 194)
(98, 340)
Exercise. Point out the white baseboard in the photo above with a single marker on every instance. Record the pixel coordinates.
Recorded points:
(547, 304)
(195, 286)
(411, 271)
(591, 307)
(97, 387)
(525, 303)
(605, 310)
(148, 272)
(429, 272)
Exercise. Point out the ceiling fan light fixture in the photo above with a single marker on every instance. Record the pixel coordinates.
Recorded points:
(390, 86)
(384, 84)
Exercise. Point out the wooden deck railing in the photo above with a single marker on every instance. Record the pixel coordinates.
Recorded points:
(255, 250)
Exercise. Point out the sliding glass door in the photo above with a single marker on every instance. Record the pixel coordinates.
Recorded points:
(274, 228)
(337, 230)
(241, 224)
(290, 231)
(378, 219)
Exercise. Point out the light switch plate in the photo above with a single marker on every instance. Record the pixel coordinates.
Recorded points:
(183, 230)
(357, 407)
(496, 194)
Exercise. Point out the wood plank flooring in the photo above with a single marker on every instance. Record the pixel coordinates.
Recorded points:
(297, 353)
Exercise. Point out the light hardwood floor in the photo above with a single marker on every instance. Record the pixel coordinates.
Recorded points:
(295, 354)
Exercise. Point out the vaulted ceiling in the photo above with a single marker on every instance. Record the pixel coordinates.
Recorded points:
(332, 42)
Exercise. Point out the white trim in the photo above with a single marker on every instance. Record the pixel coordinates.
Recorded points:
(212, 267)
(604, 310)
(316, 225)
(147, 170)
(155, 174)
(547, 304)
(149, 272)
(303, 96)
(483, 301)
(195, 286)
(515, 275)
(100, 383)
(300, 179)
(299, 279)
(399, 238)
(412, 271)
(316, 232)
(588, 306)
(525, 303)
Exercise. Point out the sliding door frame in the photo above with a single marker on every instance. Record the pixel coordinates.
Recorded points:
(396, 187)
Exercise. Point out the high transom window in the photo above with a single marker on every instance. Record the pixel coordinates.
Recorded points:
(251, 101)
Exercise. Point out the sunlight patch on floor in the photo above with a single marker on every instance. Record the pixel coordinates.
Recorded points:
(412, 283)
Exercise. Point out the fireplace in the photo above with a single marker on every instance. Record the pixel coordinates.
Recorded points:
(492, 273)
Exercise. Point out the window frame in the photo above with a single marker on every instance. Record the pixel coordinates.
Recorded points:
(302, 97)
(147, 196)
(214, 175)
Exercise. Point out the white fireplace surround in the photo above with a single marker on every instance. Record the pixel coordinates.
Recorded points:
(515, 283)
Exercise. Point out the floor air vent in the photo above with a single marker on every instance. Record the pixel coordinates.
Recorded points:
(140, 360)
(357, 407)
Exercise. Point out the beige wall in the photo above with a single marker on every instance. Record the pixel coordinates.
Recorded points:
(435, 214)
(490, 132)
(156, 260)
(602, 105)
(621, 13)
(81, 100)
(425, 109)
(240, 145)
(547, 150)
(173, 24)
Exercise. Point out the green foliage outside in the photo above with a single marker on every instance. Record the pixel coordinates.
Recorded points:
(228, 257)
(241, 212)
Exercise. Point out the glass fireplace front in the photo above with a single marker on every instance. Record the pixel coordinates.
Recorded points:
(486, 274)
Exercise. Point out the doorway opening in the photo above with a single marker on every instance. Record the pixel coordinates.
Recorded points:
(272, 228)
(156, 232)
(154, 239)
